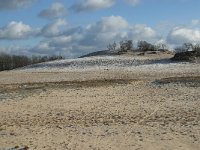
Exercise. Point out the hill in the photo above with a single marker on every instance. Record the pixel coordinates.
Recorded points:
(100, 53)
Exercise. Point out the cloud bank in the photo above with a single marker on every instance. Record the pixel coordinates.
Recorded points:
(75, 41)
(90, 5)
(16, 30)
(14, 4)
(57, 36)
(56, 10)
(180, 35)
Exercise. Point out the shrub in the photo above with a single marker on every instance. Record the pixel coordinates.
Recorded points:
(187, 52)
(126, 46)
(145, 46)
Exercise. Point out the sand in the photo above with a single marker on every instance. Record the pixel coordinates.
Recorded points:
(102, 109)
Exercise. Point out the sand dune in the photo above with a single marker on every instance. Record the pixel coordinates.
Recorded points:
(117, 103)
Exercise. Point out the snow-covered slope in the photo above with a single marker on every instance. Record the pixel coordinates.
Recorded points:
(90, 62)
(136, 63)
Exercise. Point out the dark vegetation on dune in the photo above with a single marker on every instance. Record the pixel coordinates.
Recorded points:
(187, 52)
(127, 46)
(9, 62)
(192, 56)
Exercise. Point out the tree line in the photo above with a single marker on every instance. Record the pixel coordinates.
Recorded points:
(125, 46)
(8, 62)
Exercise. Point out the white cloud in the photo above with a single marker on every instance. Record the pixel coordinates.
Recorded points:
(89, 5)
(65, 43)
(43, 47)
(14, 4)
(180, 35)
(76, 41)
(104, 31)
(57, 38)
(47, 48)
(133, 2)
(16, 30)
(15, 49)
(61, 41)
(56, 10)
(19, 30)
(143, 32)
(106, 24)
(98, 35)
(81, 40)
(195, 22)
(53, 29)
(116, 28)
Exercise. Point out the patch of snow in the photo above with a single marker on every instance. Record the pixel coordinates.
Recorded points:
(141, 64)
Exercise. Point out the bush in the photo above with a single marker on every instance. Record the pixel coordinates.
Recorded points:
(192, 56)
(126, 46)
(145, 46)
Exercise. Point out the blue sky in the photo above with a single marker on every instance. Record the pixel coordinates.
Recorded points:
(76, 27)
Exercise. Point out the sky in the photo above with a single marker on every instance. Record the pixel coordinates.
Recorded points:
(75, 27)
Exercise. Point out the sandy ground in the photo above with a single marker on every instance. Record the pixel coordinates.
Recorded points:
(105, 109)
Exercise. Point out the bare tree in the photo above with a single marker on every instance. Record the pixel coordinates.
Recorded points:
(122, 46)
(129, 45)
(126, 46)
(112, 47)
(185, 47)
(196, 48)
(145, 46)
(188, 46)
(161, 47)
(8, 62)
